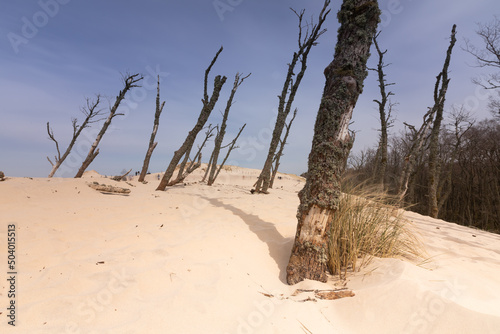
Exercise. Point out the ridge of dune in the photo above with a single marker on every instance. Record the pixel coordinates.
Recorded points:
(199, 259)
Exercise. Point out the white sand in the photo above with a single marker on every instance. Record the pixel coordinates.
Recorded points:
(199, 259)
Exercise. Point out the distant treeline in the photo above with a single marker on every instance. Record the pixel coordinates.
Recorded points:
(468, 179)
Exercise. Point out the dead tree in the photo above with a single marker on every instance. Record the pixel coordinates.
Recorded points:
(129, 82)
(461, 123)
(231, 147)
(385, 116)
(417, 141)
(332, 141)
(195, 162)
(208, 106)
(279, 154)
(152, 143)
(121, 177)
(91, 112)
(439, 98)
(290, 87)
(488, 57)
(238, 80)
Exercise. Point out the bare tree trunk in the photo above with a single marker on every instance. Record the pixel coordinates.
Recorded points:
(439, 97)
(90, 113)
(181, 175)
(319, 199)
(385, 117)
(289, 91)
(208, 106)
(238, 80)
(121, 177)
(278, 155)
(417, 142)
(152, 143)
(208, 167)
(130, 82)
(231, 147)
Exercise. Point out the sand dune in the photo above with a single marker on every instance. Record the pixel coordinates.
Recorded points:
(199, 259)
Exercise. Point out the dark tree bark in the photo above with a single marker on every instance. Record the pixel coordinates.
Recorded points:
(152, 143)
(385, 117)
(231, 147)
(332, 141)
(289, 91)
(195, 163)
(238, 80)
(279, 154)
(416, 144)
(439, 98)
(208, 106)
(121, 177)
(130, 82)
(90, 112)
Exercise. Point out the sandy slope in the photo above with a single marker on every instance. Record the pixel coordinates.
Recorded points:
(199, 259)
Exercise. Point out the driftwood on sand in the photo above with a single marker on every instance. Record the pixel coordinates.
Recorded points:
(108, 188)
(121, 177)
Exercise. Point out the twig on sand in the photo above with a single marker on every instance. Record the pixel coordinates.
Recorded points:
(328, 294)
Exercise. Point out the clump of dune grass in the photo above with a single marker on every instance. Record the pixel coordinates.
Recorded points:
(369, 224)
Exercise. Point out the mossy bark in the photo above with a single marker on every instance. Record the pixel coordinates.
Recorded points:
(332, 142)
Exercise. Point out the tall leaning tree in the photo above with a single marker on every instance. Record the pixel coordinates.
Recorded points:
(206, 110)
(384, 115)
(442, 82)
(92, 114)
(332, 141)
(129, 81)
(152, 142)
(307, 39)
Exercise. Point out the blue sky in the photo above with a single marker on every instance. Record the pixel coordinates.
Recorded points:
(57, 53)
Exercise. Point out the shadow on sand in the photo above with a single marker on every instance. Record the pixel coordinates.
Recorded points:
(279, 246)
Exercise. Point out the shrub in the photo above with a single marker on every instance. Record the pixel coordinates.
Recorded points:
(369, 224)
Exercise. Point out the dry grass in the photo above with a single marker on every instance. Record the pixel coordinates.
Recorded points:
(369, 224)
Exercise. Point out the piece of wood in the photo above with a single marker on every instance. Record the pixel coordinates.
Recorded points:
(108, 188)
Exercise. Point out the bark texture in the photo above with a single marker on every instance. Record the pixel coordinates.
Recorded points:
(332, 142)
(152, 143)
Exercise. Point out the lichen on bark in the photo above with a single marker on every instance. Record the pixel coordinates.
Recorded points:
(332, 141)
